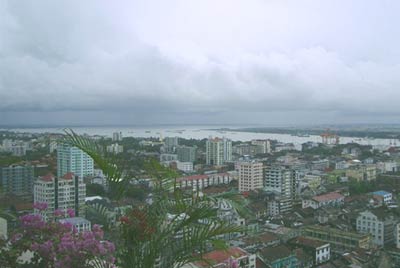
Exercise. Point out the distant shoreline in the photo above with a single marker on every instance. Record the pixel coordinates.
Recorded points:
(389, 133)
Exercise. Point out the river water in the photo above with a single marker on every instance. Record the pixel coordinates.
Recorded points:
(199, 132)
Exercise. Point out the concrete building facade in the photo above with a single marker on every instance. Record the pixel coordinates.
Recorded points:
(17, 180)
(379, 224)
(73, 159)
(250, 176)
(67, 192)
(218, 151)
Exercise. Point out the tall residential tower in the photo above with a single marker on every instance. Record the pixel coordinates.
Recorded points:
(73, 159)
(218, 151)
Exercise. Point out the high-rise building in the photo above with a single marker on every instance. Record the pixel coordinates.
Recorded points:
(117, 136)
(218, 151)
(170, 144)
(250, 176)
(67, 192)
(282, 181)
(263, 146)
(17, 180)
(186, 153)
(73, 159)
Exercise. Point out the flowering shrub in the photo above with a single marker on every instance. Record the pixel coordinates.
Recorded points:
(57, 244)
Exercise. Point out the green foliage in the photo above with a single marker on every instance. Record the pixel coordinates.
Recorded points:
(108, 165)
(361, 187)
(136, 192)
(7, 159)
(95, 189)
(175, 228)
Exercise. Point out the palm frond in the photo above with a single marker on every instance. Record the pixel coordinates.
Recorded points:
(108, 165)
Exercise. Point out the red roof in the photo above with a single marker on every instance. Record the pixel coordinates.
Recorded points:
(327, 197)
(220, 256)
(48, 177)
(68, 176)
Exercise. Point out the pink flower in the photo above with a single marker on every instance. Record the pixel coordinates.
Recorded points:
(59, 212)
(40, 206)
(71, 212)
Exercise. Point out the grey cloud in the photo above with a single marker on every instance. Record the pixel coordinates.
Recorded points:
(68, 56)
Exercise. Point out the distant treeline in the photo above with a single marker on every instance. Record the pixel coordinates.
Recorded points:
(384, 134)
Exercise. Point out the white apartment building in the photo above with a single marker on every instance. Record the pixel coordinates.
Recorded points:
(198, 182)
(380, 225)
(218, 151)
(115, 148)
(73, 159)
(184, 166)
(250, 176)
(67, 192)
(263, 146)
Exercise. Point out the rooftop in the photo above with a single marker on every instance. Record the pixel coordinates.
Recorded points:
(327, 197)
(319, 228)
(49, 177)
(381, 193)
(272, 254)
(308, 242)
(262, 238)
(68, 176)
(220, 256)
(75, 220)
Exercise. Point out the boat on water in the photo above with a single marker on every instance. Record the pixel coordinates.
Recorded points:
(148, 131)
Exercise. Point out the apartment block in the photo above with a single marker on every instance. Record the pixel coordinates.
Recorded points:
(250, 176)
(17, 180)
(74, 160)
(380, 224)
(281, 180)
(218, 151)
(186, 153)
(67, 192)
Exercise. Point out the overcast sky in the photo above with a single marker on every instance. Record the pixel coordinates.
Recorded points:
(206, 61)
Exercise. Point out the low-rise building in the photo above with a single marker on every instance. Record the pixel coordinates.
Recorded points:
(115, 148)
(168, 157)
(321, 251)
(332, 199)
(186, 167)
(232, 257)
(279, 256)
(386, 196)
(319, 164)
(362, 172)
(202, 181)
(80, 224)
(340, 241)
(260, 241)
